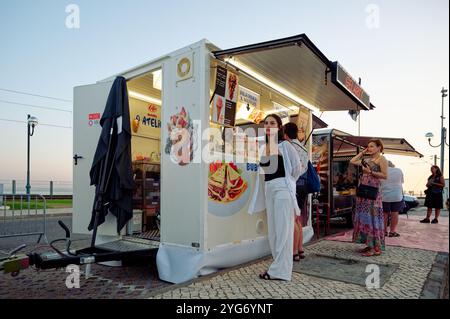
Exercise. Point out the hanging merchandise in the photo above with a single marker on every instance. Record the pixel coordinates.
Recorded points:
(282, 111)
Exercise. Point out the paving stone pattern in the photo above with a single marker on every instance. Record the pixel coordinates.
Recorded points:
(406, 282)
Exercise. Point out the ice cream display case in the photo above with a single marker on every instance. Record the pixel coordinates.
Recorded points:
(338, 178)
(147, 192)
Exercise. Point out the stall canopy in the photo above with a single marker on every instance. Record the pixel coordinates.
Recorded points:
(296, 65)
(344, 144)
(318, 123)
(392, 145)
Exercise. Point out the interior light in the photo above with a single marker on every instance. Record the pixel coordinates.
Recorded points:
(143, 97)
(157, 79)
(270, 83)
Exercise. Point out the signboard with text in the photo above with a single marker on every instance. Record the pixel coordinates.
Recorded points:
(145, 119)
(343, 79)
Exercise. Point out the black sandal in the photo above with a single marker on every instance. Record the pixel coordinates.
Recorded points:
(394, 234)
(265, 276)
(297, 257)
(301, 253)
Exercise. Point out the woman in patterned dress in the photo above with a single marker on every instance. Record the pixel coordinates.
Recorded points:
(369, 219)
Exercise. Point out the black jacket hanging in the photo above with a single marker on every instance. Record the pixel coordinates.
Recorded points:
(111, 170)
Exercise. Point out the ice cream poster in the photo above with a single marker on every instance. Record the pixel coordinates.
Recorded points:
(225, 97)
(145, 119)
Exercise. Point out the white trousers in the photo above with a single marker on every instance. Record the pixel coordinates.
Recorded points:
(280, 223)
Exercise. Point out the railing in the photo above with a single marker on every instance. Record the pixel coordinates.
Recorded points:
(23, 215)
(50, 189)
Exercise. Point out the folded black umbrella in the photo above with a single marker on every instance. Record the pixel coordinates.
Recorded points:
(111, 170)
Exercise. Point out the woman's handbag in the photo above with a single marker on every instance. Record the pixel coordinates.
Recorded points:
(367, 192)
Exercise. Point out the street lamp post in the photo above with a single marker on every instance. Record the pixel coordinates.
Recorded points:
(31, 124)
(443, 132)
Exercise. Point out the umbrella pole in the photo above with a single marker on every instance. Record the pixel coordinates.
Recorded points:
(94, 234)
(103, 184)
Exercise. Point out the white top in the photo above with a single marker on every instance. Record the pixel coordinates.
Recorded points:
(391, 188)
(302, 153)
(291, 163)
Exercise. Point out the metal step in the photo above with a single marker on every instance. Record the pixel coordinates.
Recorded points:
(129, 244)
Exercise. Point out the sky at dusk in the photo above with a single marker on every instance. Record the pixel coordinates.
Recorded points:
(402, 59)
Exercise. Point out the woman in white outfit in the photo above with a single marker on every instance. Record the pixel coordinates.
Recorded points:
(280, 169)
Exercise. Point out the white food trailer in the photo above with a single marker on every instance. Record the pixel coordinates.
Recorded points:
(200, 231)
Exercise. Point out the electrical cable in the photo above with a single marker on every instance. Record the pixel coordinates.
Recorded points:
(44, 124)
(36, 106)
(37, 95)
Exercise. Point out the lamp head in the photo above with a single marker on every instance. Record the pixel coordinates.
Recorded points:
(33, 121)
(429, 135)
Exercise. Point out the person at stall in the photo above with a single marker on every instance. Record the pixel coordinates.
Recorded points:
(392, 196)
(290, 134)
(280, 166)
(369, 219)
(433, 197)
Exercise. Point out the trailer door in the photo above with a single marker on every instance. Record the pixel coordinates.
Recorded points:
(88, 105)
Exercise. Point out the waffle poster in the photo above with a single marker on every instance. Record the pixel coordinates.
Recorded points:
(225, 97)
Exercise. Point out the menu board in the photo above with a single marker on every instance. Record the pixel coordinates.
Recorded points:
(225, 97)
(302, 124)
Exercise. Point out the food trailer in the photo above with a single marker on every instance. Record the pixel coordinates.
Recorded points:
(332, 150)
(193, 188)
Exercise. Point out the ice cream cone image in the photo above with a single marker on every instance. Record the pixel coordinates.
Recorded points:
(219, 106)
(135, 125)
(232, 82)
(180, 144)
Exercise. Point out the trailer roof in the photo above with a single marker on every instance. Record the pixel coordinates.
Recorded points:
(298, 66)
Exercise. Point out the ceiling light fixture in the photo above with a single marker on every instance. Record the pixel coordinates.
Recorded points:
(270, 83)
(143, 97)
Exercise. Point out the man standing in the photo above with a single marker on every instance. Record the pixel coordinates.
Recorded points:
(290, 134)
(392, 197)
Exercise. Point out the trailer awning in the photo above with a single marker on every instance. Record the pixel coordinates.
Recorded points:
(392, 145)
(318, 123)
(345, 144)
(297, 66)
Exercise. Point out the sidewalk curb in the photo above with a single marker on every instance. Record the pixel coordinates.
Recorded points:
(18, 217)
(437, 280)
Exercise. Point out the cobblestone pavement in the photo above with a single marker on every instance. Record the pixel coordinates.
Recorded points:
(104, 282)
(406, 282)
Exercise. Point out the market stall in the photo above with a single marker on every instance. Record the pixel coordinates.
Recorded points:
(189, 110)
(331, 153)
